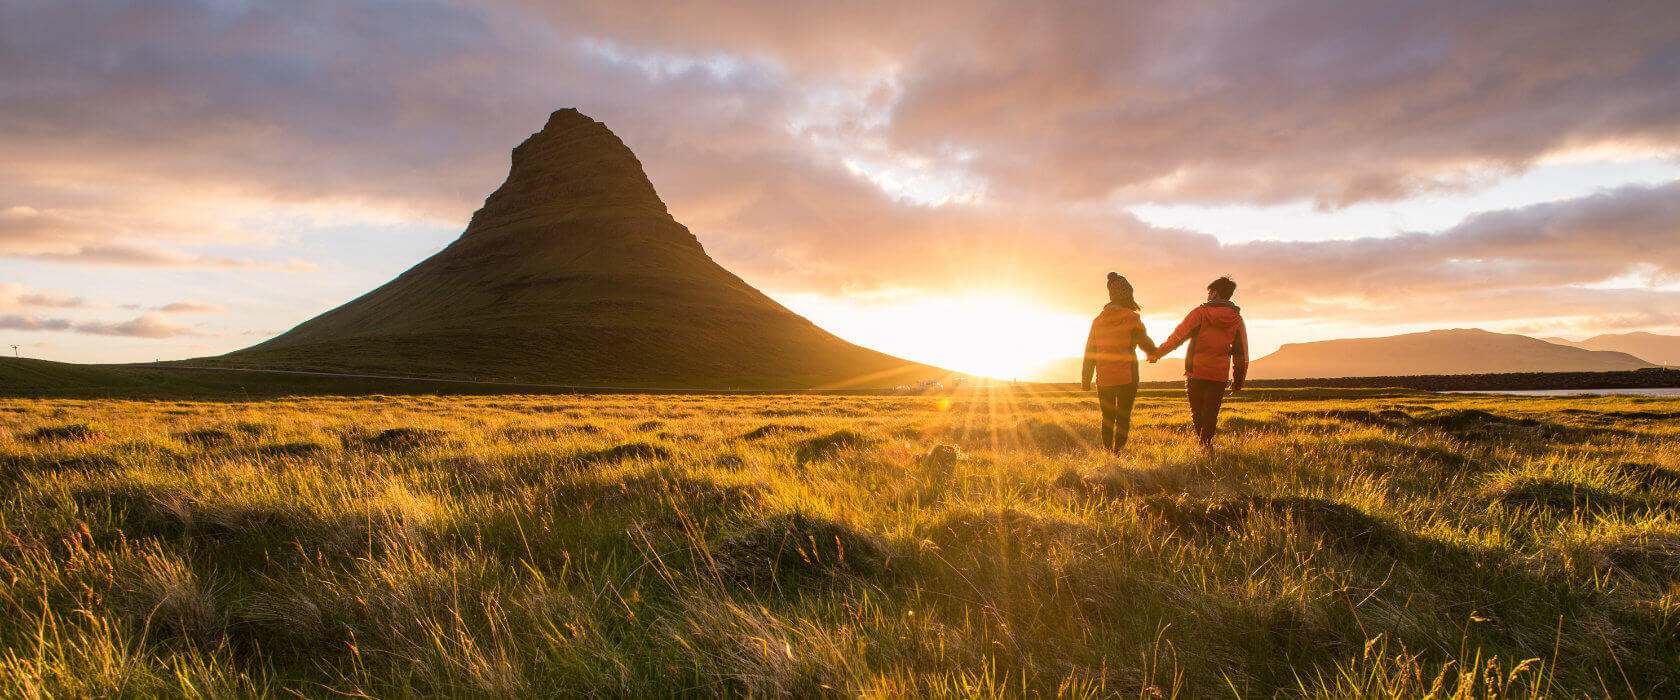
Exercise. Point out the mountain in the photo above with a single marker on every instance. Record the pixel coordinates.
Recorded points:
(1456, 351)
(1651, 347)
(573, 272)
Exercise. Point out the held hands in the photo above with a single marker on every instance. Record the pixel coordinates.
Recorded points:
(1153, 357)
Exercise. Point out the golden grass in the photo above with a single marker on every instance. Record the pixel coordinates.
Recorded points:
(1337, 544)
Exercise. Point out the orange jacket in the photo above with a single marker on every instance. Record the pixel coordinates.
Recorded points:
(1218, 343)
(1110, 349)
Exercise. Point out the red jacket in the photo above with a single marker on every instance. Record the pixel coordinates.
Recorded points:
(1218, 343)
(1110, 348)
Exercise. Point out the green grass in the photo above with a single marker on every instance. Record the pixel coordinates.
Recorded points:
(1364, 544)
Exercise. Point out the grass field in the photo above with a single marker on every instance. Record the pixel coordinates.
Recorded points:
(1338, 544)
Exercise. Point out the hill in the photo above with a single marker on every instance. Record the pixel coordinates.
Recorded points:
(1456, 351)
(1651, 347)
(573, 272)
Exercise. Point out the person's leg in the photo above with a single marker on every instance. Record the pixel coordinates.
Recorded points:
(1106, 396)
(1204, 407)
(1193, 389)
(1215, 398)
(1125, 397)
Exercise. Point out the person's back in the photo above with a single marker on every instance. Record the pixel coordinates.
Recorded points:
(1218, 343)
(1112, 345)
(1218, 353)
(1111, 355)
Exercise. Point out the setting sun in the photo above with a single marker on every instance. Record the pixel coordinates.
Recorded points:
(990, 334)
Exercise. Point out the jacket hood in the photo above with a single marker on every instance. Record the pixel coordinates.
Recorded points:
(1117, 310)
(1222, 313)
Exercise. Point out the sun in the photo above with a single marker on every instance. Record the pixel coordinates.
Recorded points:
(990, 335)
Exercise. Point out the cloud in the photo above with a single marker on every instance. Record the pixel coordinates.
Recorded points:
(17, 296)
(142, 133)
(136, 256)
(149, 325)
(16, 322)
(190, 306)
(1227, 101)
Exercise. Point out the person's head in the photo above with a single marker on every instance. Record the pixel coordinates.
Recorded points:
(1221, 289)
(1120, 292)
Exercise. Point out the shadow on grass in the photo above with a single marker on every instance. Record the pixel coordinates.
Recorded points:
(1340, 525)
(1568, 497)
(801, 548)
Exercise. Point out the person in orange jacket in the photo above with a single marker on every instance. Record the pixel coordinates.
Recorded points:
(1110, 354)
(1218, 352)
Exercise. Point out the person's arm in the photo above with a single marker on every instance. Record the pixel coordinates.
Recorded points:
(1141, 337)
(1239, 357)
(1090, 365)
(1185, 329)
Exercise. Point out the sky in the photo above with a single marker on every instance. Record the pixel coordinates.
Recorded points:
(946, 181)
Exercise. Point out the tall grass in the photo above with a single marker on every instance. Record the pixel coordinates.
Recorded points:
(1336, 545)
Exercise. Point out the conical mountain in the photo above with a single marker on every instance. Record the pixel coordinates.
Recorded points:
(575, 273)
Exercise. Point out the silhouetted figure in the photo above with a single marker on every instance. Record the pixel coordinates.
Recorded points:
(1110, 353)
(1218, 351)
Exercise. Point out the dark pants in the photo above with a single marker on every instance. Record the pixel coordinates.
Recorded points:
(1205, 397)
(1116, 403)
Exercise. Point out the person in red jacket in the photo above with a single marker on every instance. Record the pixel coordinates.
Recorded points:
(1218, 352)
(1110, 354)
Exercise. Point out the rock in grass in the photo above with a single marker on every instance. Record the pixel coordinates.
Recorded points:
(941, 457)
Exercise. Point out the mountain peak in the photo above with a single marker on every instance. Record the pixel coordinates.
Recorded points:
(574, 167)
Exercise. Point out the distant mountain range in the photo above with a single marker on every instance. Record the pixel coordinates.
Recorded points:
(1661, 349)
(1455, 351)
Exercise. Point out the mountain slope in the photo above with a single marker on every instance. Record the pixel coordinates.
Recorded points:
(574, 272)
(1456, 351)
(1651, 347)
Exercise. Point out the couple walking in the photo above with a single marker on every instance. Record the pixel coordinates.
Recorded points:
(1218, 343)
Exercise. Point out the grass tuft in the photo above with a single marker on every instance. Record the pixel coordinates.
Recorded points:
(832, 444)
